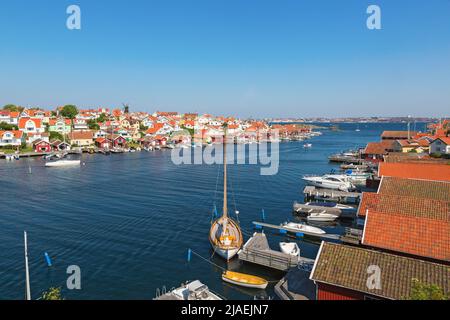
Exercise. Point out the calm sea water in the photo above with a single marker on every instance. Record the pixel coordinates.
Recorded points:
(128, 220)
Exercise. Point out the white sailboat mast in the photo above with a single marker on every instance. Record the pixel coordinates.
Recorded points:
(27, 272)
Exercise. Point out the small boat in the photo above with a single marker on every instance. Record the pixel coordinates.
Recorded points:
(330, 205)
(299, 227)
(321, 216)
(194, 290)
(63, 163)
(244, 280)
(290, 248)
(307, 145)
(330, 181)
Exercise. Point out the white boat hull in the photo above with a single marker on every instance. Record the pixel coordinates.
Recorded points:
(227, 254)
(324, 217)
(63, 163)
(291, 249)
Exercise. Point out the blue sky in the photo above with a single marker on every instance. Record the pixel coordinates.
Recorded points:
(251, 58)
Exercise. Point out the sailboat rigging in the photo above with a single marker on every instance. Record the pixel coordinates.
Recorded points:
(225, 234)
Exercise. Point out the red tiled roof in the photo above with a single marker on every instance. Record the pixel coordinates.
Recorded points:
(397, 134)
(16, 133)
(446, 140)
(380, 148)
(438, 172)
(426, 237)
(155, 128)
(81, 135)
(23, 122)
(428, 189)
(368, 201)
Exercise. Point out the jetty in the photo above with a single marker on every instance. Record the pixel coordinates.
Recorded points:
(313, 193)
(257, 250)
(345, 159)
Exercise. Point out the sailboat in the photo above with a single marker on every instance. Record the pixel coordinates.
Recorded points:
(225, 234)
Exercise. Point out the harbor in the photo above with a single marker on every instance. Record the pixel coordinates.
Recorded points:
(142, 227)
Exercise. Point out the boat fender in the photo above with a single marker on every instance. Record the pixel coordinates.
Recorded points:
(299, 235)
(189, 255)
(282, 231)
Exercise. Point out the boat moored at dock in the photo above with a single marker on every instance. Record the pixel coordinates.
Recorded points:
(192, 291)
(244, 280)
(300, 227)
(330, 181)
(290, 248)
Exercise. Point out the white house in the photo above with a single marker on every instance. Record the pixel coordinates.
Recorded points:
(440, 146)
(11, 138)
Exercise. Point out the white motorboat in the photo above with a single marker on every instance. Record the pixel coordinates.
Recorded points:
(194, 290)
(329, 205)
(330, 181)
(321, 216)
(300, 227)
(63, 163)
(290, 248)
(307, 145)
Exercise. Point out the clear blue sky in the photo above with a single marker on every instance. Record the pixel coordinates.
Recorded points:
(244, 57)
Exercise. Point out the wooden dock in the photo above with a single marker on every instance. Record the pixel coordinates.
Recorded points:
(311, 193)
(257, 250)
(284, 229)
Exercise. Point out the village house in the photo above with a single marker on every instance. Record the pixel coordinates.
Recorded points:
(41, 146)
(375, 151)
(118, 141)
(9, 117)
(440, 146)
(31, 125)
(61, 125)
(13, 138)
(83, 138)
(80, 124)
(103, 143)
(58, 145)
(341, 273)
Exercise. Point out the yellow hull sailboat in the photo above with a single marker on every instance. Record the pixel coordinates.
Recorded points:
(245, 280)
(225, 234)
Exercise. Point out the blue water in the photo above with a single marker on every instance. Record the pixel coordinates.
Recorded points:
(127, 220)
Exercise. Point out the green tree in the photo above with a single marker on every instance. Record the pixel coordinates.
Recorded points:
(54, 135)
(422, 291)
(102, 118)
(52, 294)
(7, 126)
(69, 111)
(11, 107)
(92, 124)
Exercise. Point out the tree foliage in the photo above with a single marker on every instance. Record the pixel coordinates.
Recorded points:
(102, 118)
(11, 107)
(52, 294)
(54, 135)
(422, 291)
(69, 111)
(92, 124)
(7, 126)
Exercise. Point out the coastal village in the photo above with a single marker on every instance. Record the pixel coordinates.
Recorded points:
(30, 132)
(396, 192)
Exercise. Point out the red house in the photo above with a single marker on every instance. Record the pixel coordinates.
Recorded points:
(103, 143)
(343, 272)
(41, 146)
(119, 141)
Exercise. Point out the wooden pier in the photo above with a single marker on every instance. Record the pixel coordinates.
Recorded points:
(257, 250)
(312, 193)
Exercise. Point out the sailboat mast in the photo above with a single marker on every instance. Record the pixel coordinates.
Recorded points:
(225, 204)
(27, 272)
